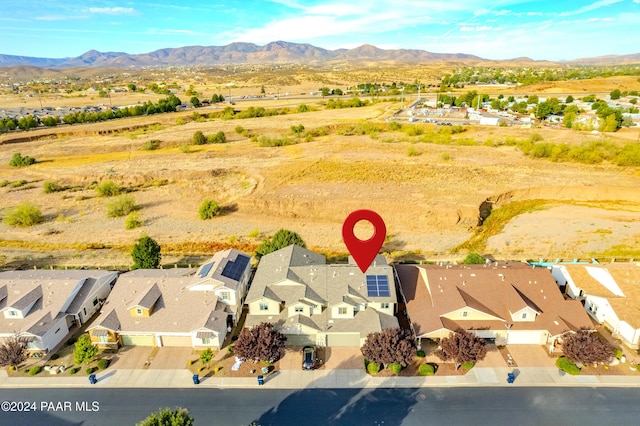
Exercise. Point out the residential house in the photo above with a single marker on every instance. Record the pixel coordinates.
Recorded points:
(511, 302)
(227, 275)
(175, 307)
(610, 293)
(47, 305)
(313, 303)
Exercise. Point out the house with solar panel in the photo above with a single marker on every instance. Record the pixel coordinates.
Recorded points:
(184, 307)
(315, 303)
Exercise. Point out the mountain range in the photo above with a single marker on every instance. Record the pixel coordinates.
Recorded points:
(242, 53)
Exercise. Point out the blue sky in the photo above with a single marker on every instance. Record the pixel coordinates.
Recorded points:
(495, 29)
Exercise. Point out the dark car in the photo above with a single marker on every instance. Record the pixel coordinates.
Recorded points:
(308, 358)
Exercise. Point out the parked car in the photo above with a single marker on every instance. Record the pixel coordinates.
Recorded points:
(308, 358)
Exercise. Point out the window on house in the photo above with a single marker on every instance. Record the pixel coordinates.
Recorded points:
(206, 341)
(465, 314)
(85, 311)
(524, 315)
(384, 306)
(56, 332)
(225, 295)
(32, 345)
(139, 311)
(264, 306)
(299, 309)
(103, 339)
(95, 301)
(342, 311)
(12, 313)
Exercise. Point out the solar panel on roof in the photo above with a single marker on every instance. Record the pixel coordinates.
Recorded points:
(378, 286)
(234, 269)
(205, 269)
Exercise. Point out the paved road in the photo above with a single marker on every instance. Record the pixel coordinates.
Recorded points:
(407, 406)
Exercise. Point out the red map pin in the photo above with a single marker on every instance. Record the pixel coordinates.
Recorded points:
(364, 251)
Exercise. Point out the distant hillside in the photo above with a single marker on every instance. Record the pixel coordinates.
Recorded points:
(274, 52)
(234, 53)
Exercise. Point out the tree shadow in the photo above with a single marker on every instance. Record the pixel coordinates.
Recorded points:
(347, 405)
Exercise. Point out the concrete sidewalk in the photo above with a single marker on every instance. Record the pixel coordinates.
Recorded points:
(294, 379)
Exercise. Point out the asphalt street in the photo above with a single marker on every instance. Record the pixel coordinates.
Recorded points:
(378, 406)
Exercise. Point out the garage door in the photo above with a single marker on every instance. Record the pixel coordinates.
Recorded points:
(300, 339)
(182, 341)
(526, 338)
(146, 340)
(344, 339)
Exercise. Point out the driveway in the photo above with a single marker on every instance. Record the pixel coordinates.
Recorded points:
(131, 357)
(494, 357)
(171, 358)
(343, 358)
(531, 356)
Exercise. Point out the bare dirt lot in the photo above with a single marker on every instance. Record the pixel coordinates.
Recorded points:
(428, 194)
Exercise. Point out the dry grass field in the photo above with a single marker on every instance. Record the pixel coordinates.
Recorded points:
(428, 194)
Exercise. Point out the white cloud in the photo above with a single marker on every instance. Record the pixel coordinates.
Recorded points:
(593, 6)
(113, 10)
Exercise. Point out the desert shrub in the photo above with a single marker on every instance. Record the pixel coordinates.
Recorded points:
(412, 151)
(90, 370)
(49, 187)
(217, 138)
(396, 368)
(373, 368)
(255, 233)
(121, 206)
(445, 156)
(468, 365)
(35, 370)
(185, 148)
(420, 354)
(54, 357)
(206, 356)
(426, 370)
(133, 221)
(535, 137)
(303, 108)
(208, 209)
(4, 183)
(108, 189)
(239, 130)
(413, 130)
(199, 138)
(265, 141)
(564, 364)
(73, 370)
(394, 126)
(103, 363)
(23, 215)
(151, 145)
(617, 353)
(17, 160)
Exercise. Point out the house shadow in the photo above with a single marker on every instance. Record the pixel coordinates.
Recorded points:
(347, 405)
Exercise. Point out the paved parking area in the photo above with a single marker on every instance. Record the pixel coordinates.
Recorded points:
(131, 357)
(171, 358)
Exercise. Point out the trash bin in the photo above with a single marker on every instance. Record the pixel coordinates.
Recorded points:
(511, 377)
(196, 379)
(260, 380)
(92, 379)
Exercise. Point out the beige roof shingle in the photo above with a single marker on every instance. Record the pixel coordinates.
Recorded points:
(433, 291)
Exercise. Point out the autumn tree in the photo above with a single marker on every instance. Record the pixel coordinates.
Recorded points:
(281, 239)
(586, 347)
(462, 347)
(391, 345)
(260, 343)
(12, 350)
